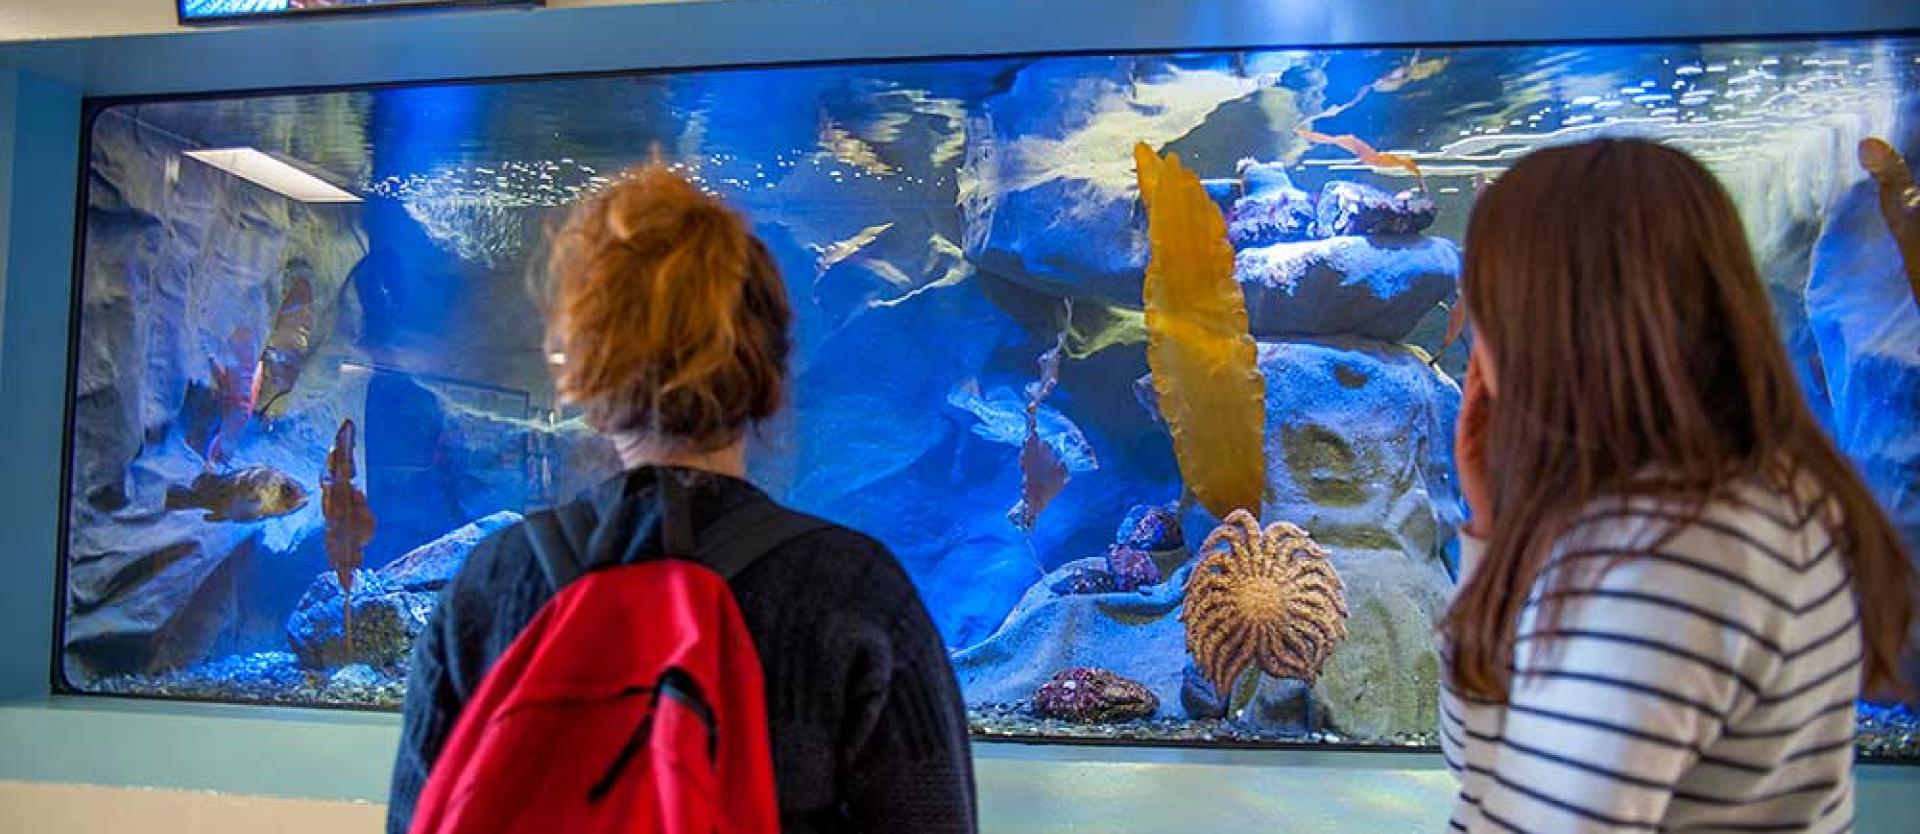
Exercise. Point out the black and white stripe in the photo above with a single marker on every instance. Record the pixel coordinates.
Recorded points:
(1703, 684)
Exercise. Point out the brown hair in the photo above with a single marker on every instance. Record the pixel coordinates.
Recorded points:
(669, 316)
(1630, 334)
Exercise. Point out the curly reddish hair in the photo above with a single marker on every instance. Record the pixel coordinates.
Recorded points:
(668, 315)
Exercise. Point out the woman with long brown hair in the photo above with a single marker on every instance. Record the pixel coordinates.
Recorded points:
(1674, 586)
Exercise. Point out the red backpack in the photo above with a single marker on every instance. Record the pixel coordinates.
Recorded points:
(634, 701)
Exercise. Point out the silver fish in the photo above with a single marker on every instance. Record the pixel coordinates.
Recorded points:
(1002, 415)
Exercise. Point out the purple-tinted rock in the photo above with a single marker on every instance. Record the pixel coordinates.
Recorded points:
(1351, 208)
(1271, 210)
(1094, 696)
(1086, 581)
(1131, 568)
(1150, 527)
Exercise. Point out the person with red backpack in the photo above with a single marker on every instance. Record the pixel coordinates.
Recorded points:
(675, 652)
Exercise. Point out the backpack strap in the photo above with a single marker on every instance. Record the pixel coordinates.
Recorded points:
(557, 536)
(736, 542)
(732, 545)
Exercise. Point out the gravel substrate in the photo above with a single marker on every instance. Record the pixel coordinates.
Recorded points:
(1886, 733)
(1017, 721)
(266, 678)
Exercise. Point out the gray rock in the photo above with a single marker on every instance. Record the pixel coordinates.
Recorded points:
(1137, 635)
(432, 565)
(1384, 679)
(1276, 705)
(390, 606)
(1359, 446)
(1197, 696)
(386, 621)
(1271, 211)
(1376, 287)
(1048, 189)
(357, 675)
(175, 264)
(1351, 208)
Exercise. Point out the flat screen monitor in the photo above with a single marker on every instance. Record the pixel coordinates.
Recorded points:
(221, 11)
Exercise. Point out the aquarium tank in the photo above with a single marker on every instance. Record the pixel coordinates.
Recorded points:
(1140, 363)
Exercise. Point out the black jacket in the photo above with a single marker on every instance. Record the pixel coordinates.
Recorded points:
(869, 732)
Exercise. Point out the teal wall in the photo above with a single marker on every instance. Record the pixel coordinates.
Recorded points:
(39, 121)
(338, 755)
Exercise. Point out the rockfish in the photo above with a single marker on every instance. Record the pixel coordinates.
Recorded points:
(249, 494)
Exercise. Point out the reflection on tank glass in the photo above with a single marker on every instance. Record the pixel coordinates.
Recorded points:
(310, 379)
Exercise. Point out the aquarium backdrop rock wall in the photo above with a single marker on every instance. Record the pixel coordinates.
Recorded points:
(968, 251)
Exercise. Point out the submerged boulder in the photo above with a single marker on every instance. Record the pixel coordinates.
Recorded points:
(1351, 208)
(1272, 210)
(1048, 189)
(432, 565)
(391, 606)
(1135, 635)
(1371, 287)
(1359, 445)
(386, 620)
(1383, 680)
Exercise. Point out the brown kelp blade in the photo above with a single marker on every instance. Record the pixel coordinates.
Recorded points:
(349, 521)
(1899, 202)
(1042, 473)
(1205, 363)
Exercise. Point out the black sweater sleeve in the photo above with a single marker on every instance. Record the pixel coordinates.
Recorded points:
(433, 704)
(907, 762)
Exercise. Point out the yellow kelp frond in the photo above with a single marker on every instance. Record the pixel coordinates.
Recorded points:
(1205, 364)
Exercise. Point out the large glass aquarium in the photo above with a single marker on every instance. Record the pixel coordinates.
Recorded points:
(307, 358)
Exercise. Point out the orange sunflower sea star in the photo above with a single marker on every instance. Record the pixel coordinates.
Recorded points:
(1262, 597)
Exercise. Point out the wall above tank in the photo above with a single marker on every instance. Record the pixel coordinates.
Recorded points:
(594, 35)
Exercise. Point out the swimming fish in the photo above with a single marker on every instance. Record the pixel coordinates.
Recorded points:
(1413, 70)
(246, 495)
(1899, 202)
(837, 252)
(349, 521)
(232, 396)
(1003, 419)
(288, 344)
(1364, 152)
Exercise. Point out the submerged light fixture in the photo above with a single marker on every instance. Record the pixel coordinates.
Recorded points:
(273, 174)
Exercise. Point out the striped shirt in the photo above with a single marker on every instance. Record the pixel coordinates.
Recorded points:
(1704, 685)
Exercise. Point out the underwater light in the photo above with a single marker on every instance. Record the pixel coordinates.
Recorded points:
(273, 174)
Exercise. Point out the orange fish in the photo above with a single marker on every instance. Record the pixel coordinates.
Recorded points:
(232, 391)
(349, 521)
(1364, 152)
